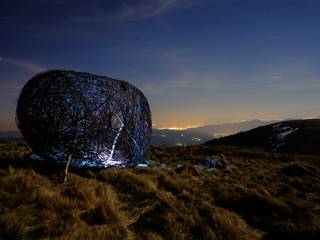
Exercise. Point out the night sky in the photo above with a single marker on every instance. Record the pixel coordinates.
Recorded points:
(197, 61)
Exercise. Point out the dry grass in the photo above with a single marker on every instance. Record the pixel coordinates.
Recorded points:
(233, 227)
(264, 196)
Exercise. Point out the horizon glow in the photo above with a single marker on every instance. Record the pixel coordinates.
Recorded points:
(198, 62)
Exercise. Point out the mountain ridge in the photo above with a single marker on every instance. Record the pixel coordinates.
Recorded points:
(293, 136)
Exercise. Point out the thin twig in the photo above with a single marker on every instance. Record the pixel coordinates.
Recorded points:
(67, 168)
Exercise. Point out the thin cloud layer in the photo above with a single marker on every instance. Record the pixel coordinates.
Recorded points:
(139, 10)
(80, 11)
(27, 65)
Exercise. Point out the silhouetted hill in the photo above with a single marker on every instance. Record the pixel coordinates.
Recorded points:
(294, 136)
(10, 135)
(224, 129)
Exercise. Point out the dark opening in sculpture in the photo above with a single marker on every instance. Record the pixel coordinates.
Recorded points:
(100, 121)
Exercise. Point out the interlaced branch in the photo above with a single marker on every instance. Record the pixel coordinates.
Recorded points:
(91, 119)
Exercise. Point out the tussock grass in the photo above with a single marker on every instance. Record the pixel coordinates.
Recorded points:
(262, 197)
(233, 227)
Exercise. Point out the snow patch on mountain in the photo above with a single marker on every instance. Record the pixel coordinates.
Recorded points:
(280, 135)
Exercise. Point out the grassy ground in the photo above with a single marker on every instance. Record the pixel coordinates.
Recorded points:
(263, 196)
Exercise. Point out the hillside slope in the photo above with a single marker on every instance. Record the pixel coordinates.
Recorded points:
(225, 129)
(295, 136)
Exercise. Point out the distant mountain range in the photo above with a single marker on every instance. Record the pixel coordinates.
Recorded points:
(10, 134)
(294, 136)
(225, 129)
(202, 134)
(190, 136)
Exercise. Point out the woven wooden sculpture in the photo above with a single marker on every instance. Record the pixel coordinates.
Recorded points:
(97, 120)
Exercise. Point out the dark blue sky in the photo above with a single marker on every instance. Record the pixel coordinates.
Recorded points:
(197, 61)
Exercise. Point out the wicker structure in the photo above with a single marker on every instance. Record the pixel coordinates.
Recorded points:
(97, 120)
